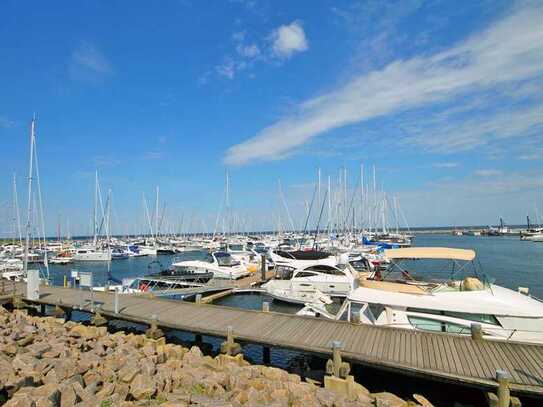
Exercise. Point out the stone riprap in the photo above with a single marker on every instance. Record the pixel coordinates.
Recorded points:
(47, 362)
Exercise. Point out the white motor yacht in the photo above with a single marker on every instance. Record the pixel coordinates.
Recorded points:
(445, 306)
(288, 261)
(335, 281)
(91, 254)
(11, 264)
(222, 264)
(147, 250)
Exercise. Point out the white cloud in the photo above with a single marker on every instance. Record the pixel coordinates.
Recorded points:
(248, 51)
(288, 39)
(282, 43)
(470, 133)
(510, 50)
(88, 64)
(89, 57)
(445, 165)
(488, 173)
(105, 161)
(534, 155)
(153, 155)
(5, 123)
(230, 67)
(226, 69)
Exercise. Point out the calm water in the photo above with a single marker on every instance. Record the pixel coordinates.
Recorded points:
(509, 261)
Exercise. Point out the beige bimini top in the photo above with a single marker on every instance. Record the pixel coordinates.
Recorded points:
(430, 253)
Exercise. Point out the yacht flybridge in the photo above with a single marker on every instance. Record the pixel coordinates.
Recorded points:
(318, 279)
(221, 264)
(288, 261)
(450, 305)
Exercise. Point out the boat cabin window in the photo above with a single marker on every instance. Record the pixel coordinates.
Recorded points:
(236, 247)
(428, 324)
(326, 270)
(284, 272)
(483, 318)
(304, 274)
(376, 310)
(360, 265)
(360, 313)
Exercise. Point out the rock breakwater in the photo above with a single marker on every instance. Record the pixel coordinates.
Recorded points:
(46, 362)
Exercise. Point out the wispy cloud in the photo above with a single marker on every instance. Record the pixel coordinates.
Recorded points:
(106, 161)
(509, 195)
(488, 173)
(288, 40)
(445, 165)
(460, 135)
(153, 155)
(246, 54)
(6, 123)
(510, 50)
(88, 63)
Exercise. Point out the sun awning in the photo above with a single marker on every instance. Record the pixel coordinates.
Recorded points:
(430, 253)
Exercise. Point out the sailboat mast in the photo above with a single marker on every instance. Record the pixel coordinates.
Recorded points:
(329, 204)
(58, 227)
(16, 211)
(361, 197)
(95, 214)
(156, 214)
(29, 205)
(319, 187)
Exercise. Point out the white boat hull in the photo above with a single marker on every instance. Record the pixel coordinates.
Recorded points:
(92, 256)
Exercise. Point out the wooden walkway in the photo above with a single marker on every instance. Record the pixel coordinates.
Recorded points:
(453, 358)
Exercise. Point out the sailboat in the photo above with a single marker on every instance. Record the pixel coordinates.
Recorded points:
(11, 267)
(33, 167)
(94, 251)
(532, 234)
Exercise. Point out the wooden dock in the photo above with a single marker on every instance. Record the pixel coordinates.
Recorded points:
(447, 357)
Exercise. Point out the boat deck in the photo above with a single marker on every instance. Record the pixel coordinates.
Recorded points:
(211, 286)
(446, 357)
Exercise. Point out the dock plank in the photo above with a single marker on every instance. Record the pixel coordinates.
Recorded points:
(451, 357)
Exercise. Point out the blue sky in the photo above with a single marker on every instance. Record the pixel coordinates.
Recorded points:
(444, 98)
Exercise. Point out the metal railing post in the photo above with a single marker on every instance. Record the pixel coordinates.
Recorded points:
(116, 301)
(263, 267)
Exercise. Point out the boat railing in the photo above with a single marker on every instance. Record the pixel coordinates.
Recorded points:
(466, 330)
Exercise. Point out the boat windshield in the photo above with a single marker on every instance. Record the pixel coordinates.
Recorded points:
(236, 247)
(322, 268)
(225, 259)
